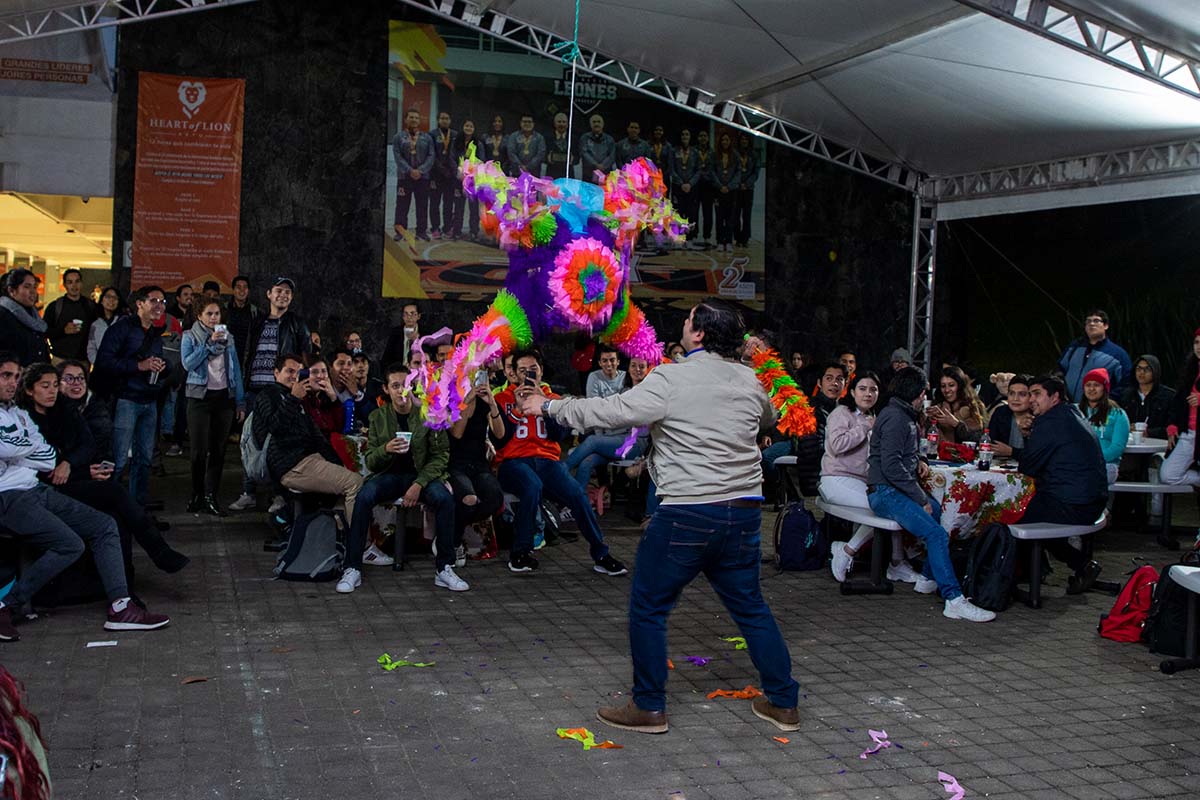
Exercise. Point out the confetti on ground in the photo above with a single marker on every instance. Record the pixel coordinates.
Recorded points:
(388, 663)
(587, 738)
(282, 649)
(881, 742)
(739, 642)
(110, 643)
(670, 664)
(699, 661)
(951, 785)
(737, 694)
(781, 739)
(193, 679)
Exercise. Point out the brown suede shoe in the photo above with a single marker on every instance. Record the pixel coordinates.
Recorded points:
(786, 719)
(631, 718)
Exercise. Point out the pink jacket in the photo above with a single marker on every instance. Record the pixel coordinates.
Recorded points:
(847, 442)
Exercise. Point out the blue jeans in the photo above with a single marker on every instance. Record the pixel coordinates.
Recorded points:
(167, 417)
(386, 487)
(723, 543)
(773, 452)
(596, 451)
(135, 426)
(887, 501)
(528, 479)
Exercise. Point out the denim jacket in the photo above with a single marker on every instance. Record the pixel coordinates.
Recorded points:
(198, 347)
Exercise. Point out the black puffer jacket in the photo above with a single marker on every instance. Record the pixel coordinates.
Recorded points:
(1155, 408)
(294, 435)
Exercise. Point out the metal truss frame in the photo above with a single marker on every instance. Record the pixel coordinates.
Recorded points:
(1137, 163)
(630, 76)
(66, 17)
(924, 273)
(1063, 24)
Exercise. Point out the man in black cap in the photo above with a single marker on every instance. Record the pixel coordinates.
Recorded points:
(280, 331)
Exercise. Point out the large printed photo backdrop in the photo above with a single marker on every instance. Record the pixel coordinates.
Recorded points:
(433, 247)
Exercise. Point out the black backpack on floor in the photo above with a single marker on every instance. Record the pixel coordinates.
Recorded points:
(991, 567)
(315, 551)
(800, 542)
(1166, 624)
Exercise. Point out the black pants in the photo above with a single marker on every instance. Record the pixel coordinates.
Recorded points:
(725, 207)
(741, 216)
(445, 213)
(133, 523)
(688, 204)
(209, 419)
(705, 199)
(476, 479)
(1044, 508)
(406, 190)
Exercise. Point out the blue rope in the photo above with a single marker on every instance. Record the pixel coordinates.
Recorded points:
(572, 47)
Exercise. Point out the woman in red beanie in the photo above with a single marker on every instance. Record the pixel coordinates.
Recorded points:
(1112, 424)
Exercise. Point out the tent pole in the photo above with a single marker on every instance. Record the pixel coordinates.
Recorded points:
(920, 293)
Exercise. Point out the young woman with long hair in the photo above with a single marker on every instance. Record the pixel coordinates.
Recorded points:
(959, 414)
(111, 306)
(1110, 420)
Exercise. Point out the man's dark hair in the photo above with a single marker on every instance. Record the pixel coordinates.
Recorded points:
(9, 357)
(846, 350)
(1022, 379)
(179, 289)
(359, 355)
(604, 349)
(142, 292)
(72, 362)
(1051, 385)
(341, 351)
(393, 369)
(211, 286)
(527, 117)
(1097, 312)
(908, 384)
(67, 272)
(283, 358)
(839, 366)
(240, 279)
(723, 327)
(15, 278)
(416, 111)
(529, 352)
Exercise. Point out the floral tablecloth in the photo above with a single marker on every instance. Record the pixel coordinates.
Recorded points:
(971, 499)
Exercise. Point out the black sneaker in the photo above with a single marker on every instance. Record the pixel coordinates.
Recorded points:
(1078, 584)
(522, 563)
(610, 566)
(8, 632)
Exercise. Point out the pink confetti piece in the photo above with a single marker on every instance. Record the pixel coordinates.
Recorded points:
(951, 785)
(881, 742)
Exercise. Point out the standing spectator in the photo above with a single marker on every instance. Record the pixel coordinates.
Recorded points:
(893, 470)
(445, 189)
(181, 307)
(21, 329)
(111, 306)
(280, 331)
(1108, 418)
(1148, 400)
(408, 462)
(476, 489)
(211, 291)
(708, 191)
(413, 151)
(131, 360)
(726, 177)
(958, 413)
(214, 395)
(67, 319)
(54, 524)
(242, 314)
(632, 146)
(597, 151)
(1091, 351)
(496, 143)
(1011, 422)
(526, 149)
(73, 385)
(661, 153)
(1062, 455)
(748, 168)
(469, 138)
(400, 340)
(556, 150)
(899, 359)
(685, 176)
(1180, 464)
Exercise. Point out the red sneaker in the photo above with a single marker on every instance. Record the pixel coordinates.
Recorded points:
(134, 618)
(8, 633)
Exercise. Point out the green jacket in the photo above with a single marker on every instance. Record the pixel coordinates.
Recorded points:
(430, 449)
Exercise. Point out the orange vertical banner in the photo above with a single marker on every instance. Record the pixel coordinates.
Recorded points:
(187, 191)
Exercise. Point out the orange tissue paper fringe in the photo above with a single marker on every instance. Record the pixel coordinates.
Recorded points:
(796, 416)
(749, 693)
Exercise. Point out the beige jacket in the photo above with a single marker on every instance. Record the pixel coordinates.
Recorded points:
(705, 414)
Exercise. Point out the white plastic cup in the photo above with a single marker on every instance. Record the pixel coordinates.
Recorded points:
(405, 435)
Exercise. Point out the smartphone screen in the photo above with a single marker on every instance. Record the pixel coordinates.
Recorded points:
(303, 375)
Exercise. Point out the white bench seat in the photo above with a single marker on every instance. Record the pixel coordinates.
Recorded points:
(785, 461)
(1150, 488)
(1038, 532)
(862, 516)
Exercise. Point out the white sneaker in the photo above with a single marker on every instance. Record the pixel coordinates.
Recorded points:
(841, 563)
(460, 557)
(351, 579)
(448, 580)
(961, 608)
(925, 585)
(377, 558)
(902, 572)
(277, 505)
(244, 503)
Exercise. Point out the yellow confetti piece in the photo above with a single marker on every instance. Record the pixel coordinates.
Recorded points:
(587, 738)
(388, 663)
(739, 642)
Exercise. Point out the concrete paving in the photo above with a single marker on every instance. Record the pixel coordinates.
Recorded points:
(294, 705)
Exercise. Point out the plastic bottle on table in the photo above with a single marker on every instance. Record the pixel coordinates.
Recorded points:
(984, 457)
(932, 439)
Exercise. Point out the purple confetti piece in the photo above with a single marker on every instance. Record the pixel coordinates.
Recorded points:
(881, 742)
(841, 772)
(951, 785)
(699, 661)
(473, 760)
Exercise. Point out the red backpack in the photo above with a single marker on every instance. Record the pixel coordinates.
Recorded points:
(1124, 621)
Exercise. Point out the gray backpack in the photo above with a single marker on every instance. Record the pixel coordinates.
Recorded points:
(314, 551)
(254, 458)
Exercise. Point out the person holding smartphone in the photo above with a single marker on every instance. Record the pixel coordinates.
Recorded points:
(477, 491)
(214, 394)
